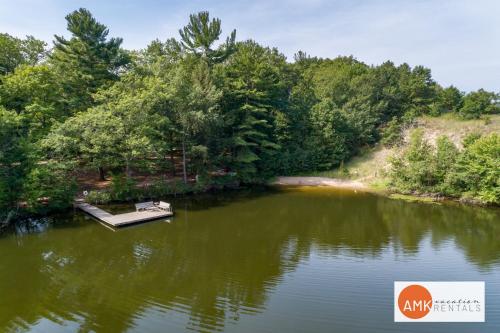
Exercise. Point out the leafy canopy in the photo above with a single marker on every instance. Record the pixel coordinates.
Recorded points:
(15, 52)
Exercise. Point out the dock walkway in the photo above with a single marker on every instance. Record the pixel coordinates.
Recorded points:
(122, 219)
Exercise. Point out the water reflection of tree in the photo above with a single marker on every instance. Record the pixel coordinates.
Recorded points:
(475, 230)
(215, 261)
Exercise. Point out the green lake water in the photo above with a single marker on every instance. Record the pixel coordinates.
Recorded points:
(296, 260)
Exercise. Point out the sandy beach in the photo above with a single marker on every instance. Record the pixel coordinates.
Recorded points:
(320, 181)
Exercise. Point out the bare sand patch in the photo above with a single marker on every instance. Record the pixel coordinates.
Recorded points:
(320, 181)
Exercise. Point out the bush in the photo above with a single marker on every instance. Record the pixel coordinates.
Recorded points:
(444, 160)
(198, 159)
(477, 171)
(225, 181)
(49, 187)
(343, 172)
(391, 133)
(478, 103)
(422, 168)
(179, 187)
(473, 172)
(159, 188)
(123, 188)
(470, 139)
(98, 197)
(436, 109)
(448, 100)
(410, 170)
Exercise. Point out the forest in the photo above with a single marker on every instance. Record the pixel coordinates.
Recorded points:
(205, 110)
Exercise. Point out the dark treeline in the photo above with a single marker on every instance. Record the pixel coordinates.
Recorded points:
(221, 109)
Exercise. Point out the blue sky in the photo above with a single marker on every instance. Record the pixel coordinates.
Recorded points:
(458, 39)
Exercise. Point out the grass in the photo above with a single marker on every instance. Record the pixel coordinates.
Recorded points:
(413, 198)
(380, 185)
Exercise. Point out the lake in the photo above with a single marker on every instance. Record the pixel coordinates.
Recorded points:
(282, 260)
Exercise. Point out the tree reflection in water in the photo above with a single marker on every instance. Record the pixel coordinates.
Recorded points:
(220, 258)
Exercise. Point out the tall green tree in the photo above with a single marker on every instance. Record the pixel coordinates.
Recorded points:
(329, 135)
(15, 52)
(201, 33)
(293, 125)
(122, 131)
(255, 91)
(170, 51)
(89, 60)
(447, 100)
(35, 93)
(194, 106)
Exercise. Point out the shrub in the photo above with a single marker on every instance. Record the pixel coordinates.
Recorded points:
(225, 181)
(477, 103)
(343, 171)
(410, 170)
(436, 109)
(49, 187)
(98, 197)
(444, 160)
(391, 134)
(422, 168)
(473, 172)
(448, 100)
(123, 188)
(477, 171)
(470, 139)
(198, 158)
(179, 187)
(159, 188)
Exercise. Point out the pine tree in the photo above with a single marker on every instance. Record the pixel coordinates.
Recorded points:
(200, 34)
(254, 93)
(89, 60)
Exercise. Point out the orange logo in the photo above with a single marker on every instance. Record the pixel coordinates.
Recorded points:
(415, 301)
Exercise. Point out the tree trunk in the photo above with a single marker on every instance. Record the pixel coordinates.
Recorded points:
(184, 159)
(127, 169)
(102, 175)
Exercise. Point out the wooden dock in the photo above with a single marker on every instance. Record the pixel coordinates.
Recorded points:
(121, 220)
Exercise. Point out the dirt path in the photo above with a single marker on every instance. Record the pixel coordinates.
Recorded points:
(320, 181)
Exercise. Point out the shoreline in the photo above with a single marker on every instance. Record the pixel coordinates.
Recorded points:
(306, 181)
(320, 181)
(356, 185)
